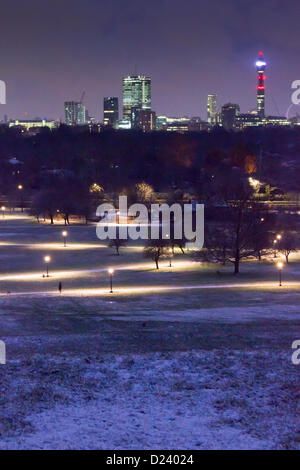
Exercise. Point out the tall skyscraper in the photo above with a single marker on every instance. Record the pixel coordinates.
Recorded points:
(212, 108)
(75, 114)
(260, 68)
(110, 111)
(136, 94)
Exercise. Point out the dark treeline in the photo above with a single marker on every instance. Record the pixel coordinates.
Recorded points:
(118, 160)
(70, 171)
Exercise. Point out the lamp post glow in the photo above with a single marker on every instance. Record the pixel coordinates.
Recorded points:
(65, 234)
(20, 188)
(111, 272)
(47, 260)
(3, 209)
(279, 237)
(280, 266)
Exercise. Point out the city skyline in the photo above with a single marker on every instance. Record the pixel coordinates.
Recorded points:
(137, 95)
(203, 114)
(201, 49)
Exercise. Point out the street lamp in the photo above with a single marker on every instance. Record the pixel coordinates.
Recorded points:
(65, 234)
(275, 251)
(280, 266)
(279, 237)
(47, 260)
(111, 272)
(170, 257)
(3, 209)
(20, 188)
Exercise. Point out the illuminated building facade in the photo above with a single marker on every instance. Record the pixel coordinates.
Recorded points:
(247, 120)
(136, 94)
(180, 125)
(110, 111)
(75, 114)
(29, 125)
(260, 68)
(124, 124)
(212, 109)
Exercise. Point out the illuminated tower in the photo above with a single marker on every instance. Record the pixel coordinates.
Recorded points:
(212, 109)
(136, 94)
(75, 113)
(261, 67)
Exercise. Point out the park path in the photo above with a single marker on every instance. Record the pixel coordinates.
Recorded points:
(71, 273)
(86, 292)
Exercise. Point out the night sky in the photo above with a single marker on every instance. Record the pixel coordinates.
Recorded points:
(52, 50)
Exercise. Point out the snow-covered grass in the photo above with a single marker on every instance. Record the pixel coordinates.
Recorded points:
(188, 400)
(178, 369)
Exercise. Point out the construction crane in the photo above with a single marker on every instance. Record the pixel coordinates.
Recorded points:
(82, 97)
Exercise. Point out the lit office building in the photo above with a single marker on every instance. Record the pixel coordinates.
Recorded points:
(136, 94)
(180, 124)
(143, 119)
(75, 114)
(212, 109)
(124, 124)
(230, 113)
(33, 124)
(161, 123)
(276, 121)
(110, 111)
(247, 120)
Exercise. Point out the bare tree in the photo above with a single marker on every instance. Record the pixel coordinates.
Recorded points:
(117, 243)
(155, 250)
(260, 237)
(45, 204)
(233, 239)
(288, 243)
